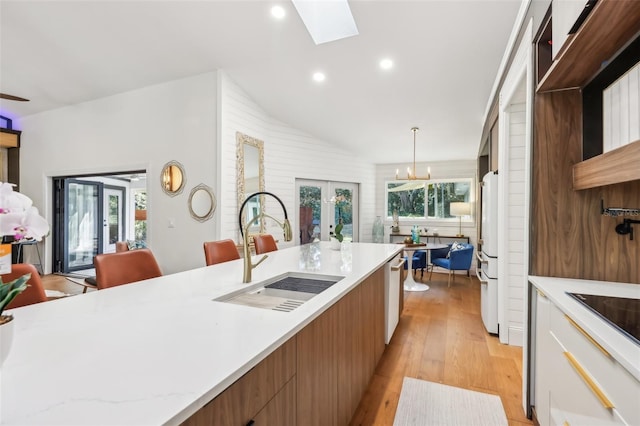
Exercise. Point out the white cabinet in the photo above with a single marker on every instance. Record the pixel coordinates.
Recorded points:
(542, 350)
(563, 15)
(577, 381)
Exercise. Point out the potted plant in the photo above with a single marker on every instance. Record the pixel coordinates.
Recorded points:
(19, 220)
(336, 236)
(7, 292)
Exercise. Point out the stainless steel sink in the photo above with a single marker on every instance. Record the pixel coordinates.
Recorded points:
(282, 293)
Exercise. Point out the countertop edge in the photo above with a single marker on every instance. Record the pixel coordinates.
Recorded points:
(622, 349)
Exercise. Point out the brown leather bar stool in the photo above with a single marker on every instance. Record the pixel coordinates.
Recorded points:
(220, 251)
(264, 243)
(35, 290)
(125, 267)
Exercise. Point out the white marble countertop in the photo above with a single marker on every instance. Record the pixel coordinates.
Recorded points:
(621, 347)
(156, 351)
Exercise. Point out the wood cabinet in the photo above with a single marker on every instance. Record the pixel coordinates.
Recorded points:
(576, 380)
(565, 13)
(569, 237)
(338, 353)
(317, 377)
(260, 392)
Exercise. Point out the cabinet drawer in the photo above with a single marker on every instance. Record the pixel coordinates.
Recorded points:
(571, 400)
(616, 383)
(241, 401)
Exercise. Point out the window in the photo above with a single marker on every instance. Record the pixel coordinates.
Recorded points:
(426, 199)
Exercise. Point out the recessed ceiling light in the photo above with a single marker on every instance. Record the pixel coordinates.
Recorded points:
(278, 12)
(386, 64)
(318, 76)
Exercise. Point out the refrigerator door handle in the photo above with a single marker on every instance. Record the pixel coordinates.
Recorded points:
(482, 282)
(480, 259)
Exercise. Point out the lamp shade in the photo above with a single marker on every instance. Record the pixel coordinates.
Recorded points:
(460, 209)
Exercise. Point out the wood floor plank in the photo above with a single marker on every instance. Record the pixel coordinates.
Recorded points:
(441, 338)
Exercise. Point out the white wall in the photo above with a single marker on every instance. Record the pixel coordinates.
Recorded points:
(514, 177)
(141, 129)
(289, 154)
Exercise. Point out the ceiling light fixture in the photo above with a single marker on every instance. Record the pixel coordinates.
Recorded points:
(411, 173)
(386, 64)
(326, 20)
(278, 12)
(318, 76)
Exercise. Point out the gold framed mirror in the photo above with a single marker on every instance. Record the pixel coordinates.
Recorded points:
(173, 178)
(202, 203)
(250, 178)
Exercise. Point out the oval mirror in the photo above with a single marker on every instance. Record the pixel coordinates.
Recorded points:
(173, 178)
(202, 203)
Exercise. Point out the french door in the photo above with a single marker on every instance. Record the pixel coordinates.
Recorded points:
(113, 218)
(78, 211)
(89, 219)
(321, 205)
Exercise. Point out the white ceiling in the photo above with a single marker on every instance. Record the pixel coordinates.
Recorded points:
(446, 56)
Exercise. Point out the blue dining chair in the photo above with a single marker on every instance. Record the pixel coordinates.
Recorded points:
(419, 261)
(458, 259)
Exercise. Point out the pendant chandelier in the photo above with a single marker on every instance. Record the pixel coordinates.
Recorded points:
(411, 173)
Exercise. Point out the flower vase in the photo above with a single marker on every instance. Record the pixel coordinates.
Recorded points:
(378, 230)
(6, 336)
(335, 244)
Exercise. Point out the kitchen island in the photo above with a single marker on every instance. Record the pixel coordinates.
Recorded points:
(158, 351)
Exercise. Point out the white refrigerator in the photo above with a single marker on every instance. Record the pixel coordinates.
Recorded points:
(489, 255)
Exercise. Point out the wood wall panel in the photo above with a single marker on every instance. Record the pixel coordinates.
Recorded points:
(620, 255)
(569, 236)
(556, 149)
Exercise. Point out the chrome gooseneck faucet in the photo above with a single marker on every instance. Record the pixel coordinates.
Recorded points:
(286, 227)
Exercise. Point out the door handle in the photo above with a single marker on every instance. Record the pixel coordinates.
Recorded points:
(482, 282)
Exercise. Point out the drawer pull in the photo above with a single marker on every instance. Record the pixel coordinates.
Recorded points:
(606, 403)
(398, 266)
(589, 338)
(541, 293)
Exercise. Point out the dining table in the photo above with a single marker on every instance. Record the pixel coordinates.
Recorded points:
(410, 283)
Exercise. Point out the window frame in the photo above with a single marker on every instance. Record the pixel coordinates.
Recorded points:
(426, 218)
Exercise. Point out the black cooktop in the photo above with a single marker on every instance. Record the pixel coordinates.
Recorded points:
(620, 312)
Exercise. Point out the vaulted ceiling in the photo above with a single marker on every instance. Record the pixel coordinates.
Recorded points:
(446, 54)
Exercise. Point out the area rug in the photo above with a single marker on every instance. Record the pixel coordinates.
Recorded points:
(428, 403)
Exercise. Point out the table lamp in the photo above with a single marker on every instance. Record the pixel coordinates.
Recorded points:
(460, 209)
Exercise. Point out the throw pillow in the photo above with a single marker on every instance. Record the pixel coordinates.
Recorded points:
(454, 247)
(136, 244)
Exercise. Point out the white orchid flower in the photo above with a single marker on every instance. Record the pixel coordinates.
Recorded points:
(13, 201)
(25, 225)
(18, 217)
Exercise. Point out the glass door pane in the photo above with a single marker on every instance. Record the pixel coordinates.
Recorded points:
(310, 212)
(83, 213)
(321, 205)
(113, 218)
(344, 204)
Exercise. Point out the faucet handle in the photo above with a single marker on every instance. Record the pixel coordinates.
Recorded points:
(286, 227)
(262, 259)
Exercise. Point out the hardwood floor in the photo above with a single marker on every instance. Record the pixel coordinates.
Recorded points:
(440, 338)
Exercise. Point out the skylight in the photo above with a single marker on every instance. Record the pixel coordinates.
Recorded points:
(326, 20)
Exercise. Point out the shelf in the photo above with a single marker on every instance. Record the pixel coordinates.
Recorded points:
(593, 45)
(617, 166)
